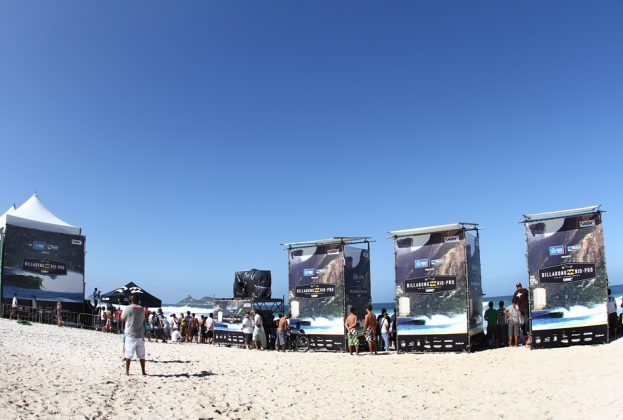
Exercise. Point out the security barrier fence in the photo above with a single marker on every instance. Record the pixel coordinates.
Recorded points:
(47, 316)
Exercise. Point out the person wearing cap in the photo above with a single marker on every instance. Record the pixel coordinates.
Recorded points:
(523, 304)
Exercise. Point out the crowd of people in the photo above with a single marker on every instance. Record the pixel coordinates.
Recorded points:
(510, 326)
(379, 332)
(185, 328)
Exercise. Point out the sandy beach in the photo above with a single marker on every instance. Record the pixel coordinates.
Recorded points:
(49, 371)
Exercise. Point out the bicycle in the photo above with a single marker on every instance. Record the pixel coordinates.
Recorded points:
(297, 340)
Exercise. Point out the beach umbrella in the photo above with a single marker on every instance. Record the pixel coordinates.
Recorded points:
(121, 296)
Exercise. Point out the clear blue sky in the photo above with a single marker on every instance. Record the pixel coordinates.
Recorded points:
(189, 139)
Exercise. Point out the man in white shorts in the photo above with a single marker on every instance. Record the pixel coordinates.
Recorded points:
(134, 317)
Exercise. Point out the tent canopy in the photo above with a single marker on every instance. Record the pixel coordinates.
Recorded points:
(562, 213)
(4, 215)
(334, 240)
(34, 215)
(121, 296)
(433, 229)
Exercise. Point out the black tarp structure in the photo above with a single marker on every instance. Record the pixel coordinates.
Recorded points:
(438, 288)
(253, 283)
(121, 296)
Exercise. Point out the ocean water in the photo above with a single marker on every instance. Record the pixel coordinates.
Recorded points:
(617, 292)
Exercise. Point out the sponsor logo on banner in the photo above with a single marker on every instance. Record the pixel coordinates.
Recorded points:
(430, 284)
(449, 239)
(567, 273)
(43, 266)
(573, 248)
(314, 291)
(557, 250)
(42, 246)
(321, 270)
(333, 252)
(421, 263)
(308, 272)
(587, 223)
(439, 261)
(76, 242)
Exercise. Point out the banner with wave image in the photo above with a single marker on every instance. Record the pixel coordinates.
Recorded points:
(567, 280)
(45, 265)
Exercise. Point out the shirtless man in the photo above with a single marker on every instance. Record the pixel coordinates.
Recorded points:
(282, 328)
(194, 328)
(351, 330)
(369, 329)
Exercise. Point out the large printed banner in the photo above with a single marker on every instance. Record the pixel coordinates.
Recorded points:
(472, 248)
(45, 265)
(317, 294)
(357, 279)
(567, 280)
(228, 323)
(431, 288)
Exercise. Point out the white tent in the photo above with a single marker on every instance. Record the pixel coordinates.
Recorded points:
(3, 217)
(34, 215)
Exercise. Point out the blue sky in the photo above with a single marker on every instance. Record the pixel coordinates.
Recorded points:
(190, 139)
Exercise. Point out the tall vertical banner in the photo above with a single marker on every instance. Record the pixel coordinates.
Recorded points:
(316, 294)
(357, 279)
(567, 280)
(325, 281)
(438, 290)
(41, 264)
(474, 286)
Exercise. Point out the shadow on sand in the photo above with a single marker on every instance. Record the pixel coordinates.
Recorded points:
(201, 374)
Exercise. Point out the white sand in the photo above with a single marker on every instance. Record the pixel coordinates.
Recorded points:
(49, 371)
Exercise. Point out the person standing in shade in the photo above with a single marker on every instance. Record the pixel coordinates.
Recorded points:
(34, 308)
(502, 324)
(369, 329)
(491, 315)
(14, 306)
(379, 338)
(247, 329)
(259, 337)
(523, 304)
(351, 331)
(514, 322)
(612, 314)
(95, 297)
(385, 328)
(134, 317)
(394, 335)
